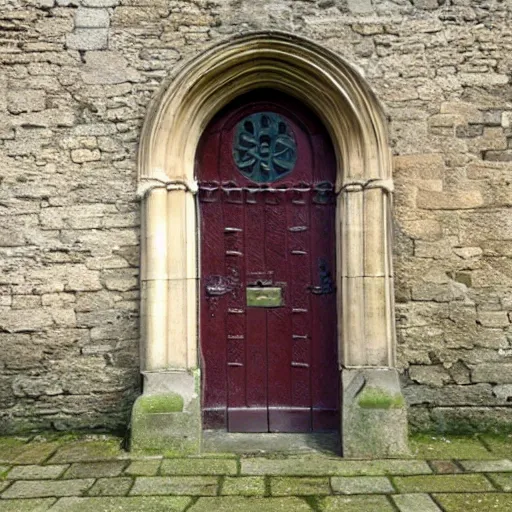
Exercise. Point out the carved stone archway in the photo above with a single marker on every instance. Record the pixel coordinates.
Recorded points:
(374, 419)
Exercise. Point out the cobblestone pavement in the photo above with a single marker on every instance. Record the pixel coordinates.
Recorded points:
(93, 473)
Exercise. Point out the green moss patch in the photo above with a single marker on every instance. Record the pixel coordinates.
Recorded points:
(448, 447)
(442, 483)
(158, 404)
(496, 502)
(374, 398)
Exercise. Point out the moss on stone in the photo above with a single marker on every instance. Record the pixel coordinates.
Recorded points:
(442, 483)
(448, 447)
(156, 404)
(161, 424)
(374, 398)
(497, 502)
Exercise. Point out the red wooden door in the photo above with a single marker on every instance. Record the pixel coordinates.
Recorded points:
(266, 172)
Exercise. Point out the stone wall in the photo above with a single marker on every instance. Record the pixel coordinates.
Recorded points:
(75, 82)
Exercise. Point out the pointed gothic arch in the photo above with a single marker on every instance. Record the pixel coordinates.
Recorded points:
(355, 120)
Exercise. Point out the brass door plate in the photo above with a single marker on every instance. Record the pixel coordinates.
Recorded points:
(264, 297)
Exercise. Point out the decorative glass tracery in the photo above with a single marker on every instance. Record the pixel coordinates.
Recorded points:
(264, 147)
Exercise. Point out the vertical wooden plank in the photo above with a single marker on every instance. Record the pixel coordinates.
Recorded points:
(256, 321)
(234, 261)
(324, 367)
(279, 339)
(300, 309)
(213, 303)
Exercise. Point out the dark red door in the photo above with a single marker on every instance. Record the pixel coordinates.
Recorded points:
(266, 172)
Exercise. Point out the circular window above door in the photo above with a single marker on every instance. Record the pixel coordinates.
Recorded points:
(264, 147)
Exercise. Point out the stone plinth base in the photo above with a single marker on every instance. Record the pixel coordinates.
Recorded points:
(374, 414)
(167, 417)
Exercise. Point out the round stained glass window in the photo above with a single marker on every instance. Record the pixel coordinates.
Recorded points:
(264, 148)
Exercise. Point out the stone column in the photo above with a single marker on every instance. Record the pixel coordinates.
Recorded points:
(167, 415)
(154, 281)
(374, 420)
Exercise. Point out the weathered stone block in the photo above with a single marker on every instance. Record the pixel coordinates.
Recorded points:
(292, 486)
(167, 417)
(208, 466)
(252, 504)
(28, 505)
(434, 375)
(95, 469)
(493, 319)
(100, 3)
(47, 488)
(415, 503)
(442, 483)
(374, 414)
(30, 320)
(500, 373)
(127, 16)
(318, 466)
(108, 68)
(143, 467)
(111, 486)
(26, 100)
(243, 486)
(33, 472)
(80, 156)
(131, 504)
(178, 485)
(88, 39)
(461, 200)
(360, 6)
(356, 504)
(91, 18)
(362, 485)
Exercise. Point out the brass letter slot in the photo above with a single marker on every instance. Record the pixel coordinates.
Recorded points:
(264, 297)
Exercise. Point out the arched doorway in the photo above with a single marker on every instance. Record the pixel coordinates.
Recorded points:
(373, 412)
(266, 170)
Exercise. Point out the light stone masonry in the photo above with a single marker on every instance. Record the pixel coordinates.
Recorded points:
(78, 78)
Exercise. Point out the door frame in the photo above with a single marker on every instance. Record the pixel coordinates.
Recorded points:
(356, 123)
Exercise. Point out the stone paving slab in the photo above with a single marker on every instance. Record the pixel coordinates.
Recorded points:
(136, 504)
(439, 447)
(47, 488)
(143, 467)
(415, 503)
(485, 466)
(356, 504)
(442, 483)
(36, 472)
(496, 502)
(95, 469)
(361, 485)
(311, 466)
(87, 451)
(180, 485)
(445, 466)
(503, 481)
(95, 474)
(37, 505)
(28, 453)
(232, 504)
(118, 486)
(10, 448)
(198, 467)
(302, 486)
(243, 486)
